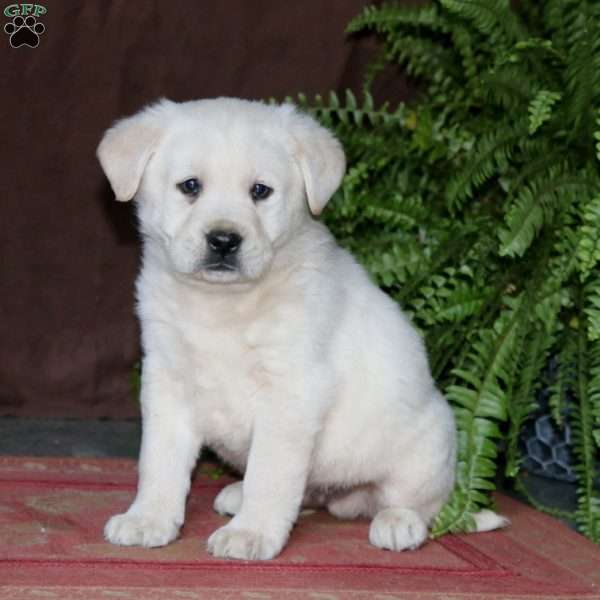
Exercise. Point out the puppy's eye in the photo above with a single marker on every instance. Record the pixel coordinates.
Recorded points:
(260, 191)
(190, 187)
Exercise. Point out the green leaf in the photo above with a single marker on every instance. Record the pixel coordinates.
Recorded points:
(588, 249)
(488, 16)
(540, 108)
(535, 205)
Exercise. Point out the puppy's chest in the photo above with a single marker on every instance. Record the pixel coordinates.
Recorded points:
(238, 356)
(232, 369)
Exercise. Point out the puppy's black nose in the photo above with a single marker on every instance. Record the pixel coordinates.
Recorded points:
(224, 242)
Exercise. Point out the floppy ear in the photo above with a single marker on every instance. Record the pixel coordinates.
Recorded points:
(125, 150)
(320, 157)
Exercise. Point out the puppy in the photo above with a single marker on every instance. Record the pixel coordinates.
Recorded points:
(265, 340)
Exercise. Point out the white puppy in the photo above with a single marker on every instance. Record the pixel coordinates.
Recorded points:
(265, 340)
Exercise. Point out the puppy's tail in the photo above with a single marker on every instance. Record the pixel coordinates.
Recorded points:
(487, 520)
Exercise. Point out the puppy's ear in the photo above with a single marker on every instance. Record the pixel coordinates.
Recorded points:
(320, 157)
(126, 149)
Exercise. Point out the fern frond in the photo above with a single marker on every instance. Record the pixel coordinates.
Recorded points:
(558, 12)
(565, 376)
(421, 57)
(487, 16)
(588, 250)
(594, 388)
(480, 398)
(544, 295)
(582, 73)
(540, 109)
(506, 87)
(388, 18)
(349, 111)
(535, 205)
(492, 154)
(582, 425)
(524, 220)
(592, 307)
(525, 382)
(597, 136)
(397, 264)
(574, 25)
(456, 303)
(450, 297)
(463, 42)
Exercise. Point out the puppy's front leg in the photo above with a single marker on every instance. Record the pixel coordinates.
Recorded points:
(169, 451)
(273, 489)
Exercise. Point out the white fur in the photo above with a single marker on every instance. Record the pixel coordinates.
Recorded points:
(295, 368)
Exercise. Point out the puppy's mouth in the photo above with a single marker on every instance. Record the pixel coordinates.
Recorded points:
(220, 269)
(221, 266)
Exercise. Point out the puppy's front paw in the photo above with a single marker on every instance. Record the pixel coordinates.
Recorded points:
(140, 530)
(397, 529)
(245, 544)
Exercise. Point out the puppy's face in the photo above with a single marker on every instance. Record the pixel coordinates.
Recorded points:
(220, 201)
(221, 184)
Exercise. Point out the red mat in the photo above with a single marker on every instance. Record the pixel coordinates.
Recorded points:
(52, 512)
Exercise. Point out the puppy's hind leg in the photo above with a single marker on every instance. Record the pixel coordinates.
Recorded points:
(392, 528)
(403, 515)
(405, 529)
(229, 499)
(397, 529)
(357, 502)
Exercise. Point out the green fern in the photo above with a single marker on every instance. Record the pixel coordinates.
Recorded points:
(540, 108)
(487, 16)
(450, 299)
(564, 377)
(592, 307)
(597, 136)
(504, 86)
(386, 17)
(594, 389)
(492, 155)
(348, 112)
(480, 398)
(582, 424)
(477, 207)
(523, 385)
(588, 250)
(582, 76)
(535, 207)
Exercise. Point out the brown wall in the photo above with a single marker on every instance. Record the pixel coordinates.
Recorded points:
(68, 252)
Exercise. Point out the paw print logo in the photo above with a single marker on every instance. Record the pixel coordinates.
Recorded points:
(24, 31)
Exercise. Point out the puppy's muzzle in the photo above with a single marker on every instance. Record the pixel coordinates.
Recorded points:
(223, 247)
